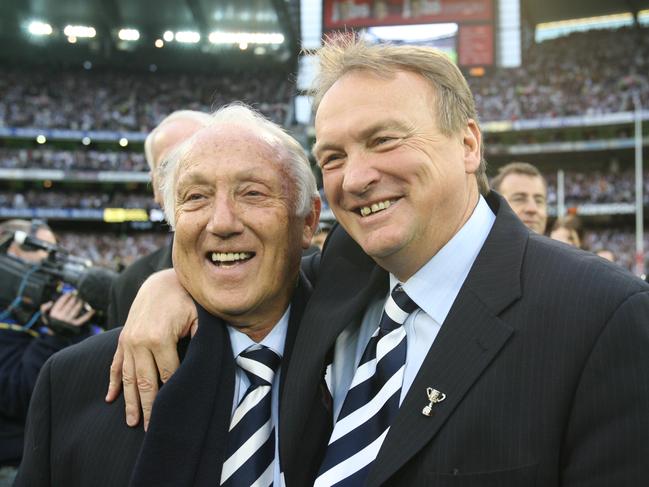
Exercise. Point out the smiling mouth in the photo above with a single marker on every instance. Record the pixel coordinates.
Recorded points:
(229, 259)
(375, 207)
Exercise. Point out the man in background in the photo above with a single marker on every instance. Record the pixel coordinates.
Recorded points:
(174, 129)
(526, 191)
(26, 342)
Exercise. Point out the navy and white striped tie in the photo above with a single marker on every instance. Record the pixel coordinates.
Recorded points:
(372, 401)
(251, 440)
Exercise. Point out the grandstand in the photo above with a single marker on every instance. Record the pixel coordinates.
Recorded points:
(74, 110)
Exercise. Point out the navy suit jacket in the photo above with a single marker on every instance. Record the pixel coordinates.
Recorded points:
(74, 438)
(543, 357)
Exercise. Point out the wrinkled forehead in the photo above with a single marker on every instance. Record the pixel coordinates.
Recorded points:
(233, 150)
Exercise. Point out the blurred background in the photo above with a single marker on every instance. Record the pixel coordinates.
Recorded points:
(563, 85)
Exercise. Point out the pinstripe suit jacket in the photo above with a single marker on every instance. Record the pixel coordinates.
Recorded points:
(544, 360)
(75, 439)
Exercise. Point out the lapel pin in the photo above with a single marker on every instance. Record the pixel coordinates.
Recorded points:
(434, 396)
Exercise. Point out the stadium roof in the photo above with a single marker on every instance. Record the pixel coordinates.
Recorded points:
(152, 18)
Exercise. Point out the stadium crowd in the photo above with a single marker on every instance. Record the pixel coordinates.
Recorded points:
(68, 160)
(98, 100)
(110, 250)
(597, 187)
(584, 73)
(581, 74)
(66, 199)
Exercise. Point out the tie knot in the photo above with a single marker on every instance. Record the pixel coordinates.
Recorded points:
(397, 308)
(259, 363)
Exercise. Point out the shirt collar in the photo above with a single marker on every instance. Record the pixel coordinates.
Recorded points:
(274, 340)
(435, 286)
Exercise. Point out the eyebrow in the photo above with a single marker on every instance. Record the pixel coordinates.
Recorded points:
(367, 132)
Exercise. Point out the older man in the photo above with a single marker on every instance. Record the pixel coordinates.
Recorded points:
(526, 191)
(170, 132)
(243, 202)
(459, 348)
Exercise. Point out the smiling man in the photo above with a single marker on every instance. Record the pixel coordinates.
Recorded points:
(242, 199)
(444, 343)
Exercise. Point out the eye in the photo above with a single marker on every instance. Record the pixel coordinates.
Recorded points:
(329, 159)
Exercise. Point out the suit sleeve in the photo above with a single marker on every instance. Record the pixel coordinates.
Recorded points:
(607, 440)
(21, 358)
(34, 470)
(112, 315)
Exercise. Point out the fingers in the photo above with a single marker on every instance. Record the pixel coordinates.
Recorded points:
(83, 318)
(45, 307)
(66, 308)
(131, 396)
(115, 379)
(147, 382)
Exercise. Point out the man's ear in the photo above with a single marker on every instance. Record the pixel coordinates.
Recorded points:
(311, 222)
(472, 141)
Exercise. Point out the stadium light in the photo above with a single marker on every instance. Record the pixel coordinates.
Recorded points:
(38, 28)
(41, 139)
(239, 38)
(128, 34)
(79, 31)
(168, 36)
(123, 142)
(159, 43)
(86, 141)
(187, 36)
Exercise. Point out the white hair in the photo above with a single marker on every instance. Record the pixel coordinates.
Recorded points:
(200, 117)
(296, 161)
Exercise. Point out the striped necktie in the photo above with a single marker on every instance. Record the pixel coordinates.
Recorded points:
(372, 401)
(251, 440)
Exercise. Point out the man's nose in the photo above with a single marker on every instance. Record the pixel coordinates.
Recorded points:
(531, 206)
(359, 174)
(225, 219)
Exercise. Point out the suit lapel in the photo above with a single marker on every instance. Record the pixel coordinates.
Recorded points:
(298, 304)
(341, 296)
(470, 338)
(191, 414)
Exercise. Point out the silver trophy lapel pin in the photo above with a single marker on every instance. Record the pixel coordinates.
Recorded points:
(434, 397)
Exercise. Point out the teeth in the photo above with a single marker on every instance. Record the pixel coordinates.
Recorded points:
(229, 256)
(383, 205)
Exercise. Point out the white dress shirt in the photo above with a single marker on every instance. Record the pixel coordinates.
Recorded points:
(433, 287)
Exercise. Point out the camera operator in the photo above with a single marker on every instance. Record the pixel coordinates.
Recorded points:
(26, 343)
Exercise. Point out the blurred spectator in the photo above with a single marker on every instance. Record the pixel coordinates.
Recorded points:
(606, 254)
(524, 188)
(566, 230)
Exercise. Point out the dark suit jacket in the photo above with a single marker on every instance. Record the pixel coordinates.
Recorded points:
(543, 357)
(75, 439)
(126, 286)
